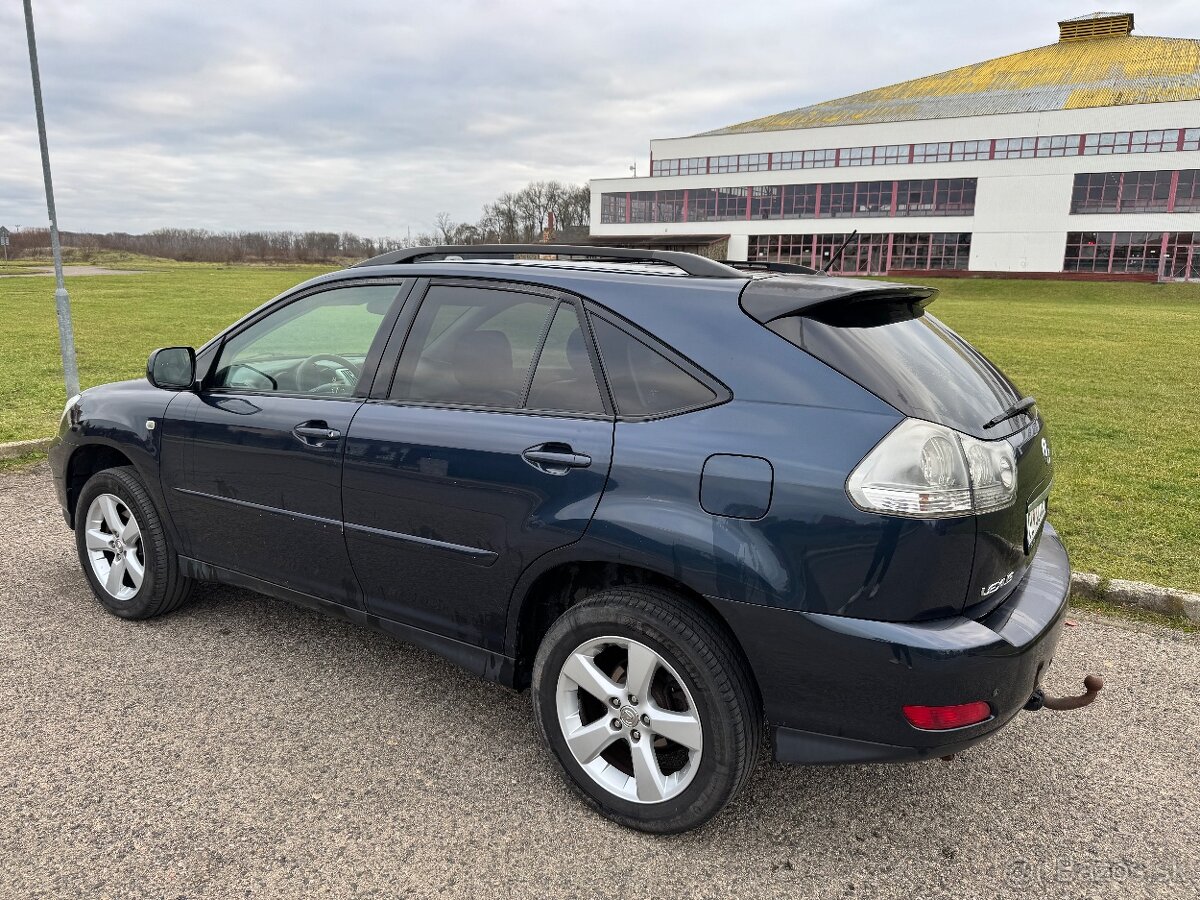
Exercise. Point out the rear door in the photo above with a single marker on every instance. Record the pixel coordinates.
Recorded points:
(491, 447)
(260, 493)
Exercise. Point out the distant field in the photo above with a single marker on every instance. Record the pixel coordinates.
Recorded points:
(1116, 368)
(118, 320)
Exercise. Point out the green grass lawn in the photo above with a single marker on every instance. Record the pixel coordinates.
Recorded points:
(1116, 369)
(118, 320)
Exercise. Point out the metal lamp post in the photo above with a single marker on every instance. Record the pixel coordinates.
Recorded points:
(62, 303)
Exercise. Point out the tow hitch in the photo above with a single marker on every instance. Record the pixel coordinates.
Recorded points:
(1092, 686)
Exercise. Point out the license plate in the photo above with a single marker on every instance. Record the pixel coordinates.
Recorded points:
(1035, 518)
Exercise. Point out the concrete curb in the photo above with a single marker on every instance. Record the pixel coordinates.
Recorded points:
(20, 448)
(1168, 601)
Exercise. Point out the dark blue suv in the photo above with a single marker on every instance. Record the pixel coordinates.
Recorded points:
(679, 500)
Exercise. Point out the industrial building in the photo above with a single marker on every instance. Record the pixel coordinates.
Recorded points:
(1081, 157)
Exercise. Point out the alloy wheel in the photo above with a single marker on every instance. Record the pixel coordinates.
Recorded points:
(114, 546)
(629, 720)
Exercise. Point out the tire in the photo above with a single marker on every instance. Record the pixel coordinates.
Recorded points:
(699, 674)
(108, 503)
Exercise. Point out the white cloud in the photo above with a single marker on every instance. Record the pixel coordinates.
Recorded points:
(374, 116)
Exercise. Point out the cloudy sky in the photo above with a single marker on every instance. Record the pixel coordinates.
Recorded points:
(375, 116)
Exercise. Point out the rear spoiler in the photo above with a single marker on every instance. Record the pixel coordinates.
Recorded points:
(768, 299)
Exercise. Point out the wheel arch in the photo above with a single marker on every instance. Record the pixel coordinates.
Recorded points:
(544, 596)
(85, 461)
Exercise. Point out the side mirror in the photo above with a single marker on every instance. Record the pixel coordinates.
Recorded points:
(172, 368)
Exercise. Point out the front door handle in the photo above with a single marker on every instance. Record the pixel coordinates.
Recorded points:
(315, 433)
(556, 459)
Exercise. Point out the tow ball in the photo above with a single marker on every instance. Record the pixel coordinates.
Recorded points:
(1092, 685)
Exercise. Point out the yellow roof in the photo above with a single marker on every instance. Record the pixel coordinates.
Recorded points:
(1116, 71)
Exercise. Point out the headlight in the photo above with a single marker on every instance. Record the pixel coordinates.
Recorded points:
(929, 471)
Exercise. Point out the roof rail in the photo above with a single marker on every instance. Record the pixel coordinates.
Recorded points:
(768, 266)
(691, 263)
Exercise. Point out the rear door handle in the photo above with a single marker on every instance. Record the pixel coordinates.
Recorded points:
(315, 433)
(556, 459)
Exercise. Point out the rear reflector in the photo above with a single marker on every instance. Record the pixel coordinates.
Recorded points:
(941, 718)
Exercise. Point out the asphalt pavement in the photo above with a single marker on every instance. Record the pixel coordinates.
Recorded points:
(245, 748)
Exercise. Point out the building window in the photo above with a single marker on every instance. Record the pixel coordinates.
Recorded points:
(867, 254)
(1113, 251)
(1116, 142)
(799, 201)
(1098, 144)
(967, 151)
(1183, 255)
(765, 202)
(731, 203)
(696, 165)
(1096, 193)
(955, 197)
(1187, 191)
(702, 204)
(890, 154)
(1145, 191)
(641, 206)
(747, 162)
(923, 153)
(669, 206)
(716, 204)
(806, 159)
(1158, 191)
(858, 156)
(861, 199)
(612, 207)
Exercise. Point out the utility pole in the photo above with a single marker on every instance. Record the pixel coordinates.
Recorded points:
(62, 303)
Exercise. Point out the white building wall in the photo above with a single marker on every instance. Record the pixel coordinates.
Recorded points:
(1022, 206)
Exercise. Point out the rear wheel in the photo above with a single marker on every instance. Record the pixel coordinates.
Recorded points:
(648, 708)
(123, 548)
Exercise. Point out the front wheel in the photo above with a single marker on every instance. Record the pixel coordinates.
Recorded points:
(124, 549)
(648, 707)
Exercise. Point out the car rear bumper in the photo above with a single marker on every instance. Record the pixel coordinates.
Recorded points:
(834, 688)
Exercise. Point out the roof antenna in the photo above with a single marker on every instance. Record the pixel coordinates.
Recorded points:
(840, 250)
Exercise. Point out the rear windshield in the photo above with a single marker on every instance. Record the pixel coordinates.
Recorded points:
(908, 358)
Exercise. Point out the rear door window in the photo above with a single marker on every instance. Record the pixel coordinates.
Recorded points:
(564, 380)
(472, 346)
(644, 382)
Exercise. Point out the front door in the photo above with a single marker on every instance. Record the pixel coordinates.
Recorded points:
(266, 434)
(491, 448)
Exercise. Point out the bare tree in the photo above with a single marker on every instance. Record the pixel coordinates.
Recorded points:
(514, 217)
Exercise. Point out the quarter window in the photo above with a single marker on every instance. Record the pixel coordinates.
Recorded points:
(315, 345)
(643, 381)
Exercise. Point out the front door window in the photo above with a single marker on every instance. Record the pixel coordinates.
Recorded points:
(316, 345)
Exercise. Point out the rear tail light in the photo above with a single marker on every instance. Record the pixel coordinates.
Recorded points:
(928, 471)
(941, 718)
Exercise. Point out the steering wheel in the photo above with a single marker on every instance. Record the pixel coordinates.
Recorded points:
(309, 368)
